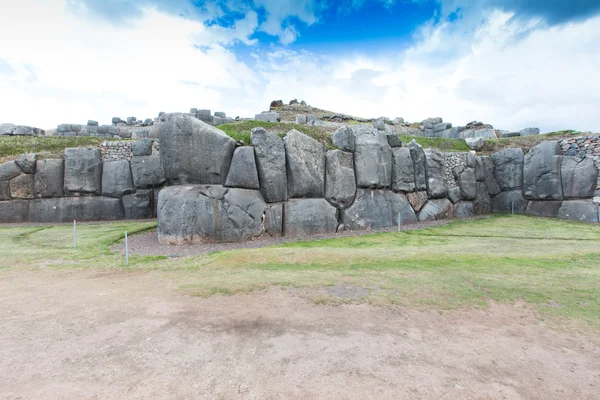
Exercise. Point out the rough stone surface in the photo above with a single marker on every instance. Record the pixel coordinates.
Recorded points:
(268, 117)
(480, 169)
(375, 209)
(22, 187)
(541, 172)
(9, 170)
(242, 172)
(509, 168)
(142, 147)
(393, 139)
(482, 203)
(271, 164)
(579, 177)
(343, 139)
(489, 176)
(193, 152)
(67, 209)
(475, 143)
(418, 156)
(467, 183)
(464, 209)
(4, 190)
(436, 209)
(502, 203)
(578, 210)
(437, 187)
(116, 179)
(205, 213)
(454, 194)
(14, 211)
(83, 170)
(417, 200)
(372, 160)
(49, 178)
(147, 172)
(26, 162)
(305, 166)
(274, 219)
(543, 208)
(403, 170)
(306, 217)
(340, 182)
(530, 131)
(139, 205)
(7, 129)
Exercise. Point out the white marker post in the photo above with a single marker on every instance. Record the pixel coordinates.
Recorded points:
(74, 234)
(126, 249)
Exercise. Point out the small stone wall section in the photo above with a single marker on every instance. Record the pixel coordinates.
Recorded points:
(584, 147)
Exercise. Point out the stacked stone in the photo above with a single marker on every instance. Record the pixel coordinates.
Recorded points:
(118, 150)
(585, 147)
(452, 161)
(20, 130)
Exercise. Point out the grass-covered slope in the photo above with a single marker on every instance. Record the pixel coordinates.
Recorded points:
(45, 147)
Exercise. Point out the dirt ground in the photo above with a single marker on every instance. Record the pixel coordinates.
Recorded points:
(84, 334)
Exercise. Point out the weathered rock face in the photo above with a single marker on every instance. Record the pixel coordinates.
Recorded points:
(417, 200)
(541, 172)
(271, 164)
(543, 208)
(466, 182)
(530, 131)
(304, 217)
(503, 203)
(203, 213)
(4, 190)
(579, 210)
(437, 187)
(393, 138)
(14, 211)
(475, 143)
(480, 168)
(436, 209)
(489, 176)
(193, 152)
(242, 172)
(340, 183)
(464, 209)
(142, 147)
(375, 209)
(116, 179)
(482, 203)
(454, 194)
(274, 220)
(9, 170)
(343, 139)
(579, 177)
(83, 171)
(67, 209)
(509, 168)
(147, 172)
(139, 205)
(22, 187)
(305, 166)
(403, 171)
(26, 162)
(372, 160)
(49, 178)
(418, 156)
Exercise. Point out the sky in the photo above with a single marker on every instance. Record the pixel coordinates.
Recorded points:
(510, 63)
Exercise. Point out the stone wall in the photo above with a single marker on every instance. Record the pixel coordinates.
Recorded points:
(584, 147)
(218, 190)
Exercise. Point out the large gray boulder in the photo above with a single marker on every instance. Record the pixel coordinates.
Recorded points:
(543, 208)
(67, 209)
(274, 220)
(49, 178)
(242, 172)
(306, 217)
(5, 190)
(377, 209)
(483, 203)
(489, 176)
(116, 179)
(417, 200)
(509, 168)
(579, 210)
(14, 211)
(142, 147)
(83, 171)
(9, 170)
(26, 162)
(579, 177)
(268, 116)
(437, 186)
(436, 209)
(147, 172)
(372, 160)
(139, 205)
(271, 164)
(480, 168)
(343, 139)
(530, 131)
(204, 213)
(22, 187)
(403, 170)
(340, 182)
(305, 166)
(454, 194)
(503, 202)
(465, 176)
(7, 129)
(541, 172)
(418, 156)
(475, 143)
(193, 152)
(464, 209)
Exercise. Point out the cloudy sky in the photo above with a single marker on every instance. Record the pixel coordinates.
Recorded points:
(511, 63)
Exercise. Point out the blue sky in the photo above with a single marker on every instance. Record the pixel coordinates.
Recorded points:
(511, 63)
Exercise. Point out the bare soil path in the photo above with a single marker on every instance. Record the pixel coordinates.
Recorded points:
(91, 335)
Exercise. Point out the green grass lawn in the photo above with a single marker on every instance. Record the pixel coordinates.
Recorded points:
(553, 265)
(44, 147)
